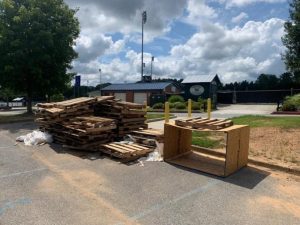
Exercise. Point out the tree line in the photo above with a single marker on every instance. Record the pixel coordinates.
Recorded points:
(265, 82)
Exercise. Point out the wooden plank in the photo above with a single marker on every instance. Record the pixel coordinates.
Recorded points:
(106, 128)
(138, 119)
(123, 147)
(201, 162)
(177, 141)
(108, 146)
(232, 149)
(244, 147)
(213, 124)
(139, 146)
(130, 105)
(73, 102)
(104, 98)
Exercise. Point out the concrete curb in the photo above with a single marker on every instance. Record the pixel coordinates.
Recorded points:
(286, 169)
(159, 119)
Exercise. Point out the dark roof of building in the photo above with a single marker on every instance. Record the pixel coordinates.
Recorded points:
(200, 79)
(137, 86)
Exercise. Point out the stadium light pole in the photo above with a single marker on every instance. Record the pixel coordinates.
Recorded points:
(152, 59)
(144, 19)
(100, 79)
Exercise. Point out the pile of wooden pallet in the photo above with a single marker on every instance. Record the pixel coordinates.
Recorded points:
(129, 116)
(51, 113)
(93, 124)
(201, 124)
(72, 123)
(126, 151)
(85, 133)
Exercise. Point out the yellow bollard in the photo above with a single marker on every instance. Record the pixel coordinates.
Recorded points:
(145, 105)
(167, 112)
(208, 108)
(189, 108)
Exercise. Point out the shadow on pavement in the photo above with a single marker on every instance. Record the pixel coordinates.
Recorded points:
(90, 155)
(247, 177)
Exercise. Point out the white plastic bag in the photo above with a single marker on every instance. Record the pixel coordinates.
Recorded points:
(35, 138)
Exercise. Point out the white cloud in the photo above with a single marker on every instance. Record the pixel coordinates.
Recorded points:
(198, 10)
(241, 3)
(236, 53)
(125, 16)
(99, 19)
(239, 18)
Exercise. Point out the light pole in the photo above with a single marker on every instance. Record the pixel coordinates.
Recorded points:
(152, 59)
(100, 79)
(144, 19)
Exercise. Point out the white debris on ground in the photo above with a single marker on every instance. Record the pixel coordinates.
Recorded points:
(35, 138)
(154, 157)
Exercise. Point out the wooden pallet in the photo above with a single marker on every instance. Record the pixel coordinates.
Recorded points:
(75, 102)
(155, 134)
(200, 123)
(129, 105)
(125, 152)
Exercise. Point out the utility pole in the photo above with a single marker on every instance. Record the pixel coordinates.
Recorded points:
(144, 19)
(152, 59)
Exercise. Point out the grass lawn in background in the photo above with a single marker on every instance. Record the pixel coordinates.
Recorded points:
(208, 139)
(268, 121)
(150, 116)
(16, 118)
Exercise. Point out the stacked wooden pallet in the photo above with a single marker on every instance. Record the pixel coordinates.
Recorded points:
(201, 124)
(129, 116)
(144, 136)
(51, 113)
(85, 133)
(126, 151)
(72, 123)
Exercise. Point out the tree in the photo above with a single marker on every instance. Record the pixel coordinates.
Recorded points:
(36, 46)
(267, 82)
(291, 40)
(286, 81)
(7, 94)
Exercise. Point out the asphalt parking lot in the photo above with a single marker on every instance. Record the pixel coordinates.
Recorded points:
(49, 185)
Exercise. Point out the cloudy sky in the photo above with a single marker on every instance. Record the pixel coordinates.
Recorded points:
(237, 39)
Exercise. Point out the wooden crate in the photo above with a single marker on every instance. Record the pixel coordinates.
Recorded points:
(178, 150)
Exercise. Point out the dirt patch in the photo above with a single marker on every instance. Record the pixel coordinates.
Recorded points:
(276, 145)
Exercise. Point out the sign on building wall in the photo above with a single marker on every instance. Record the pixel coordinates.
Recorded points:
(77, 81)
(196, 90)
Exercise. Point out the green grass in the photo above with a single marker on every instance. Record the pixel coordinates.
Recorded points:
(268, 121)
(203, 139)
(16, 118)
(150, 116)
